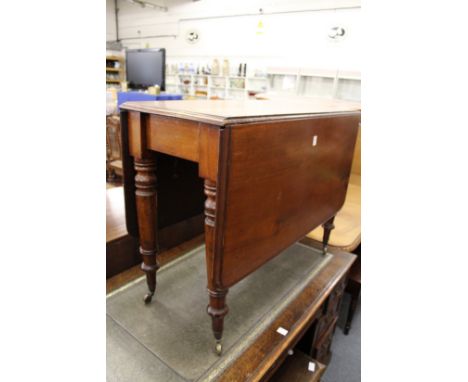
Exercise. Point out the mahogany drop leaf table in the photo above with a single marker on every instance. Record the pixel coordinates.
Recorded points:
(272, 170)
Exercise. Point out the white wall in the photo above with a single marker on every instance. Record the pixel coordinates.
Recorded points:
(294, 32)
(111, 34)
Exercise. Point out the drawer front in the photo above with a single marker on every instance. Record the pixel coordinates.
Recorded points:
(322, 325)
(335, 296)
(331, 310)
(296, 368)
(321, 350)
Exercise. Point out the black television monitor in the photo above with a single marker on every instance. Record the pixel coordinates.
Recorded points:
(146, 67)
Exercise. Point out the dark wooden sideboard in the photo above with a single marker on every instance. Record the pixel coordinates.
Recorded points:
(272, 170)
(309, 318)
(314, 343)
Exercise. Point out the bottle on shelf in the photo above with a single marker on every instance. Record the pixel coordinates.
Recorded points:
(215, 67)
(226, 68)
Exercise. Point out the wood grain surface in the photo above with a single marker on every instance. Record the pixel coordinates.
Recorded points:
(115, 214)
(280, 186)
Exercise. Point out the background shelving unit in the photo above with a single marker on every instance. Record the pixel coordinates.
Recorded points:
(348, 85)
(115, 70)
(307, 82)
(283, 81)
(206, 86)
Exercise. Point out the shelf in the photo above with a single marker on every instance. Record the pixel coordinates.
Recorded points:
(114, 75)
(217, 76)
(283, 71)
(349, 75)
(325, 73)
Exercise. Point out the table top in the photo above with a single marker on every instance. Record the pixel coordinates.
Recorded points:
(223, 112)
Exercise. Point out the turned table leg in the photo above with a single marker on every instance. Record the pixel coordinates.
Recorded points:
(146, 203)
(327, 227)
(217, 307)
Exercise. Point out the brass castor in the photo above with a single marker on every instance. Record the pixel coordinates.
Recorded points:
(148, 297)
(218, 348)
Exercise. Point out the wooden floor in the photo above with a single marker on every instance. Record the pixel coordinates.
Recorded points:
(113, 184)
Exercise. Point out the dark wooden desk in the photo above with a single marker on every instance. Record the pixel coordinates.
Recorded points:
(272, 172)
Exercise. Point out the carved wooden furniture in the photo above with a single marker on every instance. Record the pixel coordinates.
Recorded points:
(315, 342)
(261, 358)
(311, 319)
(113, 149)
(326, 324)
(272, 172)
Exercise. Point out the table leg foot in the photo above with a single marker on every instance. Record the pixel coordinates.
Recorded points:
(218, 347)
(217, 309)
(150, 268)
(327, 227)
(148, 297)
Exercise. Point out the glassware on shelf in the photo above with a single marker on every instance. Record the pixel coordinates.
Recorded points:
(226, 68)
(215, 67)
